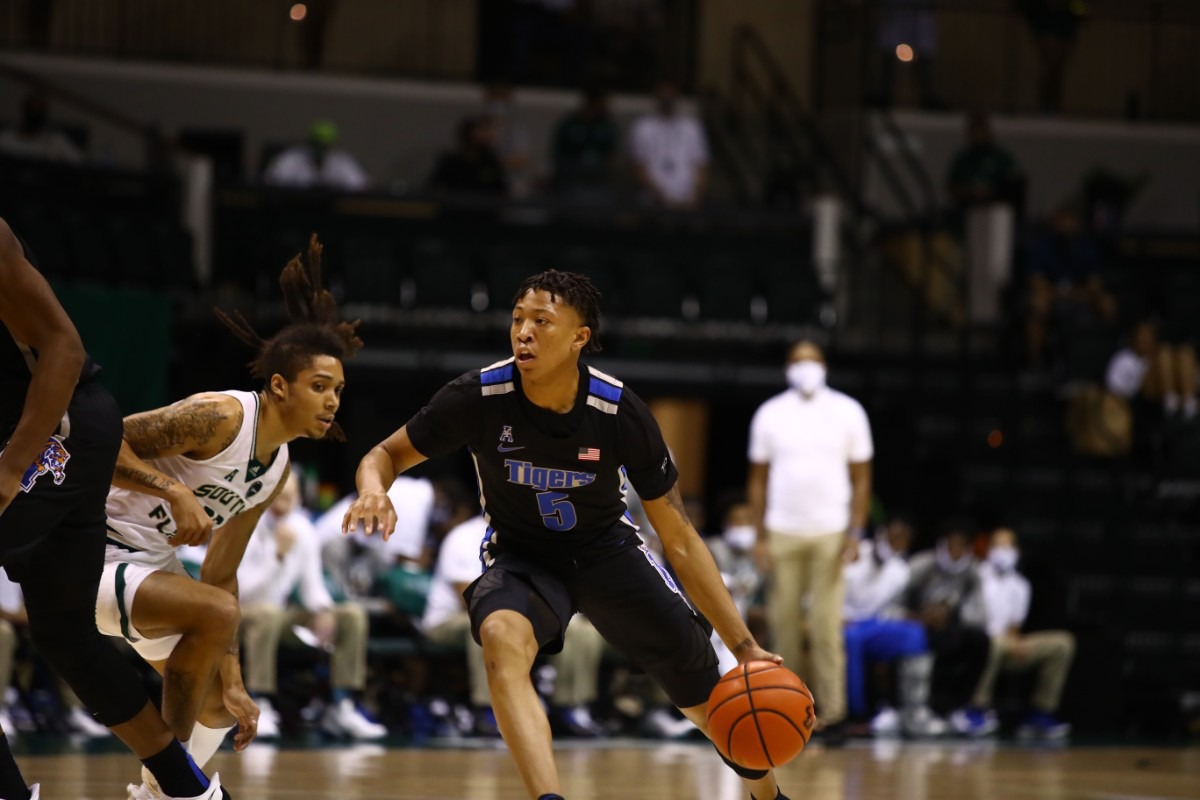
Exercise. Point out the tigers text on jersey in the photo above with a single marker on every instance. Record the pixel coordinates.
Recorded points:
(552, 486)
(229, 483)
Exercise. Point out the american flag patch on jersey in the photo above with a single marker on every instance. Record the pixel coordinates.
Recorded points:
(589, 454)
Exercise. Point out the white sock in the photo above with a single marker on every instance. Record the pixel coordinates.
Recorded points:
(205, 742)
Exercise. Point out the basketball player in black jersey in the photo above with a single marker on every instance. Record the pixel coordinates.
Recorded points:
(60, 432)
(554, 443)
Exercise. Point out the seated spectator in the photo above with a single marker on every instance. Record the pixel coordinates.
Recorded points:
(512, 138)
(13, 618)
(585, 151)
(876, 631)
(357, 563)
(1006, 596)
(1065, 279)
(733, 551)
(944, 593)
(282, 557)
(317, 163)
(670, 153)
(1155, 370)
(33, 136)
(446, 622)
(474, 166)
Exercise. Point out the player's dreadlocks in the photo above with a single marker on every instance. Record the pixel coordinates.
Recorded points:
(574, 289)
(314, 328)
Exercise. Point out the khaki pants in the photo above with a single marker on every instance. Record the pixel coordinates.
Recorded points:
(1050, 651)
(457, 631)
(577, 667)
(264, 625)
(810, 566)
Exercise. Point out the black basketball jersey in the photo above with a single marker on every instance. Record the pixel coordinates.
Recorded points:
(552, 486)
(17, 360)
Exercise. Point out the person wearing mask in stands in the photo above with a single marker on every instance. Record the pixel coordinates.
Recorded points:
(1006, 596)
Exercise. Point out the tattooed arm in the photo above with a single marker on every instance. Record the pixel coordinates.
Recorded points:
(694, 565)
(200, 426)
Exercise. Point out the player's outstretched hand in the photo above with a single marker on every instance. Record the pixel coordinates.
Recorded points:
(756, 653)
(374, 511)
(192, 523)
(238, 703)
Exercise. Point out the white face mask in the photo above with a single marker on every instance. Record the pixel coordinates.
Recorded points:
(949, 564)
(741, 537)
(806, 376)
(1003, 557)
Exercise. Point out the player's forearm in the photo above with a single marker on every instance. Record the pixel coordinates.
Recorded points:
(46, 402)
(231, 667)
(375, 472)
(134, 474)
(702, 581)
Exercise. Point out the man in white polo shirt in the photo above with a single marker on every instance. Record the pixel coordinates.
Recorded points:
(810, 488)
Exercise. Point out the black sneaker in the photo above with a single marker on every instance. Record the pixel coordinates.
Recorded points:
(834, 735)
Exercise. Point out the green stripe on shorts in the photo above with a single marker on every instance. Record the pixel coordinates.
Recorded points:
(121, 601)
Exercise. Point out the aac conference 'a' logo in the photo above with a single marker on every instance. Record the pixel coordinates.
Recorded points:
(53, 460)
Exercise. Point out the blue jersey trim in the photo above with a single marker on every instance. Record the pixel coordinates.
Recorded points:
(499, 375)
(605, 391)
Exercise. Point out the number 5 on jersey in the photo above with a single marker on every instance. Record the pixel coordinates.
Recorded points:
(557, 512)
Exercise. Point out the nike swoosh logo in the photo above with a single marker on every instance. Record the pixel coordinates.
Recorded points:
(501, 448)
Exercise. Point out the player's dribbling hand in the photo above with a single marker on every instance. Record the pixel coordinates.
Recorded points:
(756, 653)
(239, 703)
(192, 523)
(374, 511)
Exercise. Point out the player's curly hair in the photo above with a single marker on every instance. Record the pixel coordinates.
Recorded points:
(314, 328)
(576, 290)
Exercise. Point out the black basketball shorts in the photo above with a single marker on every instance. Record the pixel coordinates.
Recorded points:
(64, 491)
(630, 599)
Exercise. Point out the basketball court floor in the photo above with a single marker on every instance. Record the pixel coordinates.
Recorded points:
(632, 769)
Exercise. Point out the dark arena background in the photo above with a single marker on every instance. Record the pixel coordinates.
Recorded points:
(986, 212)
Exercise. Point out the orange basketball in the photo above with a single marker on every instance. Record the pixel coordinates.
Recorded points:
(760, 715)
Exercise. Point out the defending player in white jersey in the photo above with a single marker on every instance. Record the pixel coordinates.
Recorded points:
(210, 465)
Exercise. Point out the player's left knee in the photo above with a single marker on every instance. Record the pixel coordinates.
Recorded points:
(743, 772)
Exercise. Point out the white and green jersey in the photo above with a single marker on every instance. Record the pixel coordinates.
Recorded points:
(232, 482)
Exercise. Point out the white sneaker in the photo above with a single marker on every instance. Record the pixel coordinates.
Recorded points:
(344, 719)
(34, 791)
(268, 720)
(142, 791)
(83, 722)
(886, 722)
(6, 724)
(149, 789)
(924, 724)
(665, 725)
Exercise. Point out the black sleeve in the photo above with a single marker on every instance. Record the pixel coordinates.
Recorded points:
(643, 451)
(450, 420)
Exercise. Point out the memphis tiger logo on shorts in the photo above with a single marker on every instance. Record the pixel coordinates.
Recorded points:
(53, 460)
